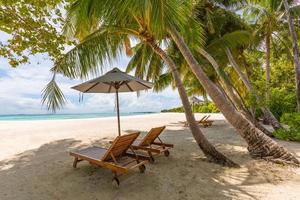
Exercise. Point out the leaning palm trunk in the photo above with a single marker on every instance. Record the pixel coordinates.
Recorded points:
(208, 149)
(221, 89)
(295, 51)
(230, 92)
(267, 113)
(227, 87)
(259, 144)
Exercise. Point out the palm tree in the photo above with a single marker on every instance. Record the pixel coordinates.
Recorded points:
(260, 145)
(156, 22)
(228, 89)
(295, 49)
(267, 113)
(206, 147)
(269, 147)
(106, 41)
(267, 18)
(239, 104)
(227, 27)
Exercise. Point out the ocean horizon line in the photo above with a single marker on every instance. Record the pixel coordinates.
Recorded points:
(61, 116)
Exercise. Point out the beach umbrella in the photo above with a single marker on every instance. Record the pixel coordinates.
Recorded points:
(195, 100)
(114, 81)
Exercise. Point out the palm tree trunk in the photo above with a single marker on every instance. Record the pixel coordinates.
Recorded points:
(267, 113)
(228, 89)
(259, 144)
(222, 90)
(238, 70)
(268, 69)
(295, 51)
(208, 149)
(232, 96)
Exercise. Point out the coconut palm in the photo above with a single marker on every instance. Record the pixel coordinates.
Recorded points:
(266, 111)
(105, 43)
(156, 22)
(259, 144)
(269, 20)
(261, 150)
(222, 29)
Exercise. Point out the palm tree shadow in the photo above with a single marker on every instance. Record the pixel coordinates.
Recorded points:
(198, 176)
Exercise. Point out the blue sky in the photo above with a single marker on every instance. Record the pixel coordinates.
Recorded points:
(20, 91)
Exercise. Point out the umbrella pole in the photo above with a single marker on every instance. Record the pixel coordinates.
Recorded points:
(118, 112)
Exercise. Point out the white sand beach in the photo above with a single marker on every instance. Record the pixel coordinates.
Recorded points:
(34, 163)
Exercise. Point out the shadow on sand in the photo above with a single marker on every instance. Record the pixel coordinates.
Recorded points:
(47, 173)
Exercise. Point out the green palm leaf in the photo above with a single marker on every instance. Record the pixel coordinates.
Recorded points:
(52, 96)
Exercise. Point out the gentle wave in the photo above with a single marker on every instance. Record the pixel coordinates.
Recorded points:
(31, 117)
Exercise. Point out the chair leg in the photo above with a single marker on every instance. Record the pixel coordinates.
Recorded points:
(75, 162)
(151, 158)
(116, 180)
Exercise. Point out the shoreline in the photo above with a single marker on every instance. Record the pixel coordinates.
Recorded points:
(77, 114)
(215, 115)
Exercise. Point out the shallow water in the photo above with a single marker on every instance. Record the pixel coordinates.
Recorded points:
(31, 117)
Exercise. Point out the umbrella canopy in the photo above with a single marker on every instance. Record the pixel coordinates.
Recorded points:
(195, 100)
(114, 81)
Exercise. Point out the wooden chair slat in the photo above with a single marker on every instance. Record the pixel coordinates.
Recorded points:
(117, 149)
(115, 158)
(149, 145)
(151, 136)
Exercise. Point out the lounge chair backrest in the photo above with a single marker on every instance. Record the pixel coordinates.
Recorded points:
(208, 116)
(120, 145)
(151, 136)
(202, 119)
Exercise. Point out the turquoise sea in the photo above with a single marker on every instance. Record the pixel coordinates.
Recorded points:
(30, 117)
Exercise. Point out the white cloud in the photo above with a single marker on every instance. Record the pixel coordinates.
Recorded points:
(20, 92)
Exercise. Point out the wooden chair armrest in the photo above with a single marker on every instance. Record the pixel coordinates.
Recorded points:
(142, 157)
(163, 144)
(146, 149)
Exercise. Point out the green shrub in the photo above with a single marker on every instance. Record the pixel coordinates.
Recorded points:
(282, 101)
(293, 132)
(179, 109)
(291, 119)
(199, 108)
(213, 108)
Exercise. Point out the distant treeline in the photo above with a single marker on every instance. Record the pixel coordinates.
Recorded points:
(198, 108)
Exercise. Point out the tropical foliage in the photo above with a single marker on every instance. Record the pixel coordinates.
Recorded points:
(293, 133)
(198, 108)
(282, 95)
(32, 27)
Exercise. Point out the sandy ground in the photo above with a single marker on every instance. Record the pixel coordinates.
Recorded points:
(34, 163)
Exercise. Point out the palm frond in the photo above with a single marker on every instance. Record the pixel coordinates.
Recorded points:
(145, 62)
(52, 96)
(81, 20)
(230, 40)
(254, 13)
(163, 81)
(91, 54)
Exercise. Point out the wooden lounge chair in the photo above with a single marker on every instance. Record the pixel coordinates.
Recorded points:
(186, 124)
(206, 122)
(115, 158)
(151, 146)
